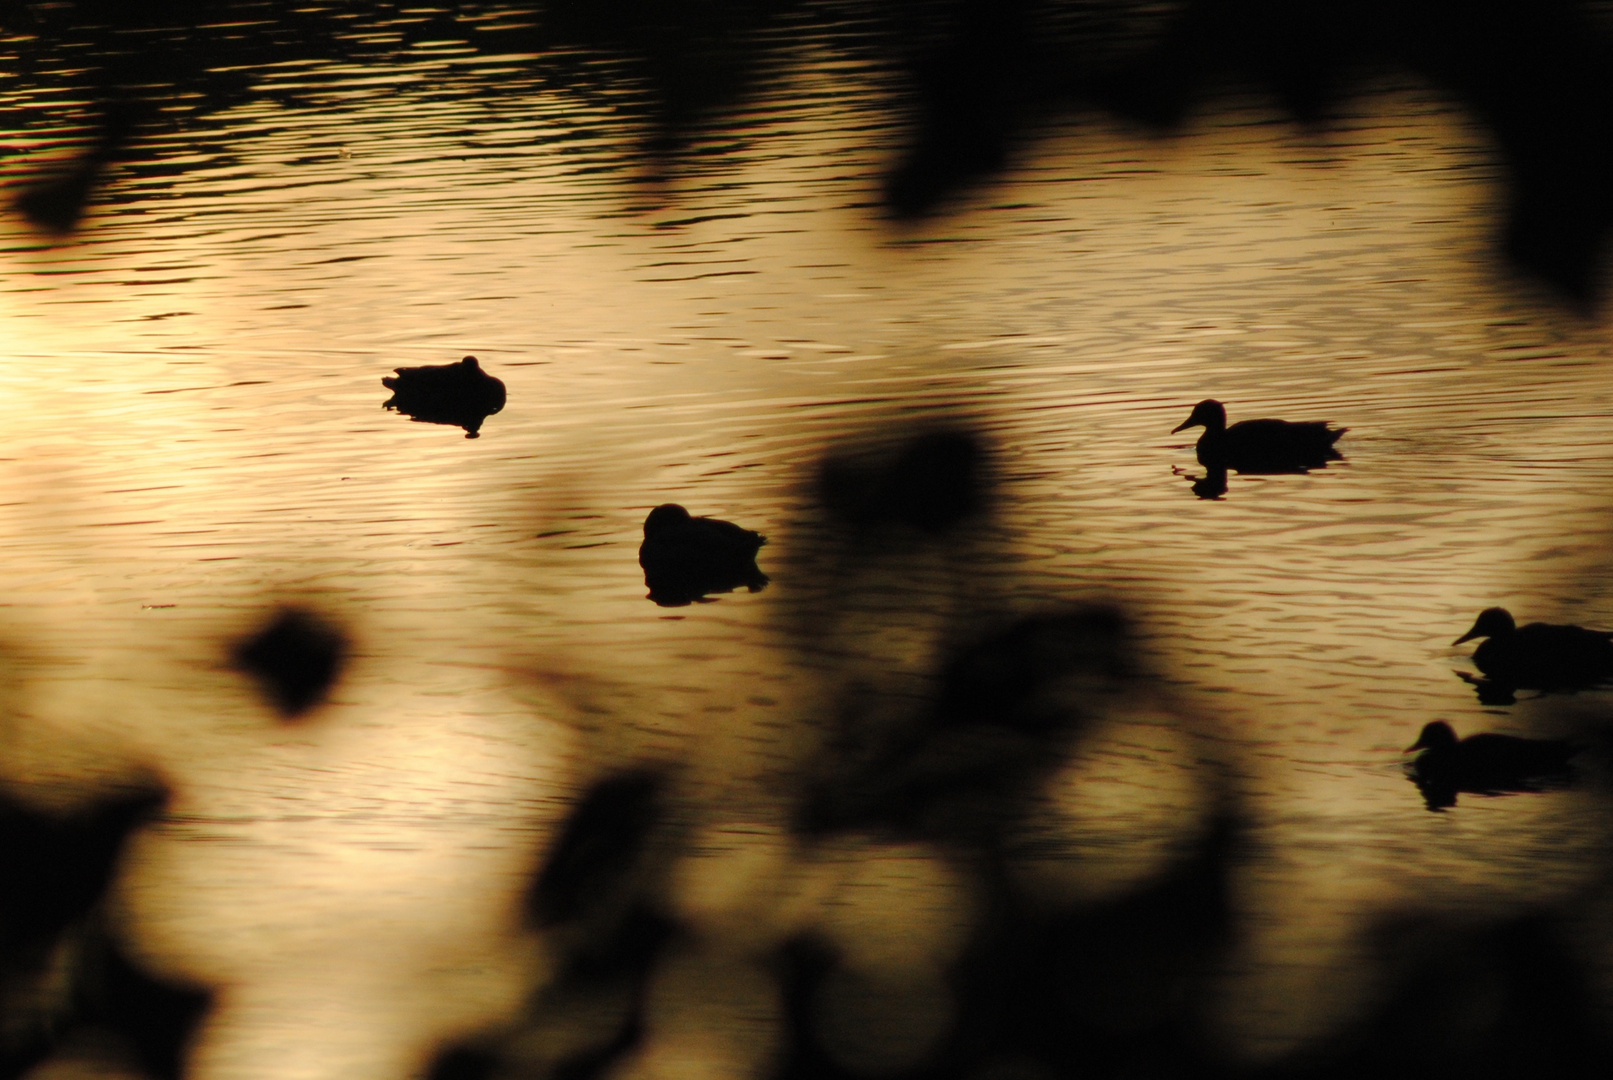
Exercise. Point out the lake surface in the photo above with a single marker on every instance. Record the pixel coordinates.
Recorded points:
(192, 400)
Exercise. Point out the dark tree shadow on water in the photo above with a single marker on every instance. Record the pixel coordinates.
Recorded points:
(980, 80)
(66, 985)
(1108, 989)
(295, 658)
(1034, 989)
(1507, 1001)
(1118, 985)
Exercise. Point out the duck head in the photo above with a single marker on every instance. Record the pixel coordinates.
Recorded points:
(470, 363)
(1492, 622)
(663, 516)
(1435, 736)
(1210, 414)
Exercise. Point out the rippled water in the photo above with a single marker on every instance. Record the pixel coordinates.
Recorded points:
(192, 404)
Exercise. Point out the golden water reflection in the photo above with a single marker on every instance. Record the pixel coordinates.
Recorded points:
(192, 401)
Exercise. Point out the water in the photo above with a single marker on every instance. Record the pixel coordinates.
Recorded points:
(192, 401)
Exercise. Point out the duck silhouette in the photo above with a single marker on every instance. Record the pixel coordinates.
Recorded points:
(1536, 656)
(1261, 446)
(685, 557)
(1485, 764)
(461, 394)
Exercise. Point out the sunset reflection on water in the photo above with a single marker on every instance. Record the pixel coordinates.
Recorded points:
(192, 401)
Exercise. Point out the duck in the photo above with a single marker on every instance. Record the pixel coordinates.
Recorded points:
(1484, 764)
(461, 394)
(686, 557)
(1261, 446)
(1539, 656)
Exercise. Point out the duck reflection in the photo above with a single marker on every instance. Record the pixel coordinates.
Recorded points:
(462, 394)
(1212, 485)
(1484, 764)
(685, 558)
(1536, 656)
(1261, 447)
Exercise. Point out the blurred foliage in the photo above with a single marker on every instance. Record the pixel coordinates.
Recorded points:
(894, 906)
(975, 78)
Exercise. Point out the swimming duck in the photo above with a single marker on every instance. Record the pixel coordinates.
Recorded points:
(686, 557)
(1485, 764)
(1261, 446)
(1539, 656)
(460, 394)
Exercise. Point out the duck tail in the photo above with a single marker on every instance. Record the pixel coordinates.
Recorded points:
(1587, 747)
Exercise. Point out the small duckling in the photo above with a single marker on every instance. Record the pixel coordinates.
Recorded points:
(1539, 656)
(460, 394)
(1261, 446)
(686, 557)
(1485, 764)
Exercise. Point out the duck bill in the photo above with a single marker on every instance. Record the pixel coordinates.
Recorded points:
(1183, 425)
(1418, 745)
(1469, 636)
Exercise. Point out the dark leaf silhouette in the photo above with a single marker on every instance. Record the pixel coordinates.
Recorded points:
(296, 659)
(931, 483)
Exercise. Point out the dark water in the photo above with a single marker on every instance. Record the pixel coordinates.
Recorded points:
(192, 402)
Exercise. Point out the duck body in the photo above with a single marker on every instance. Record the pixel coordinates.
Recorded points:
(1261, 446)
(685, 557)
(1485, 764)
(461, 394)
(1539, 656)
